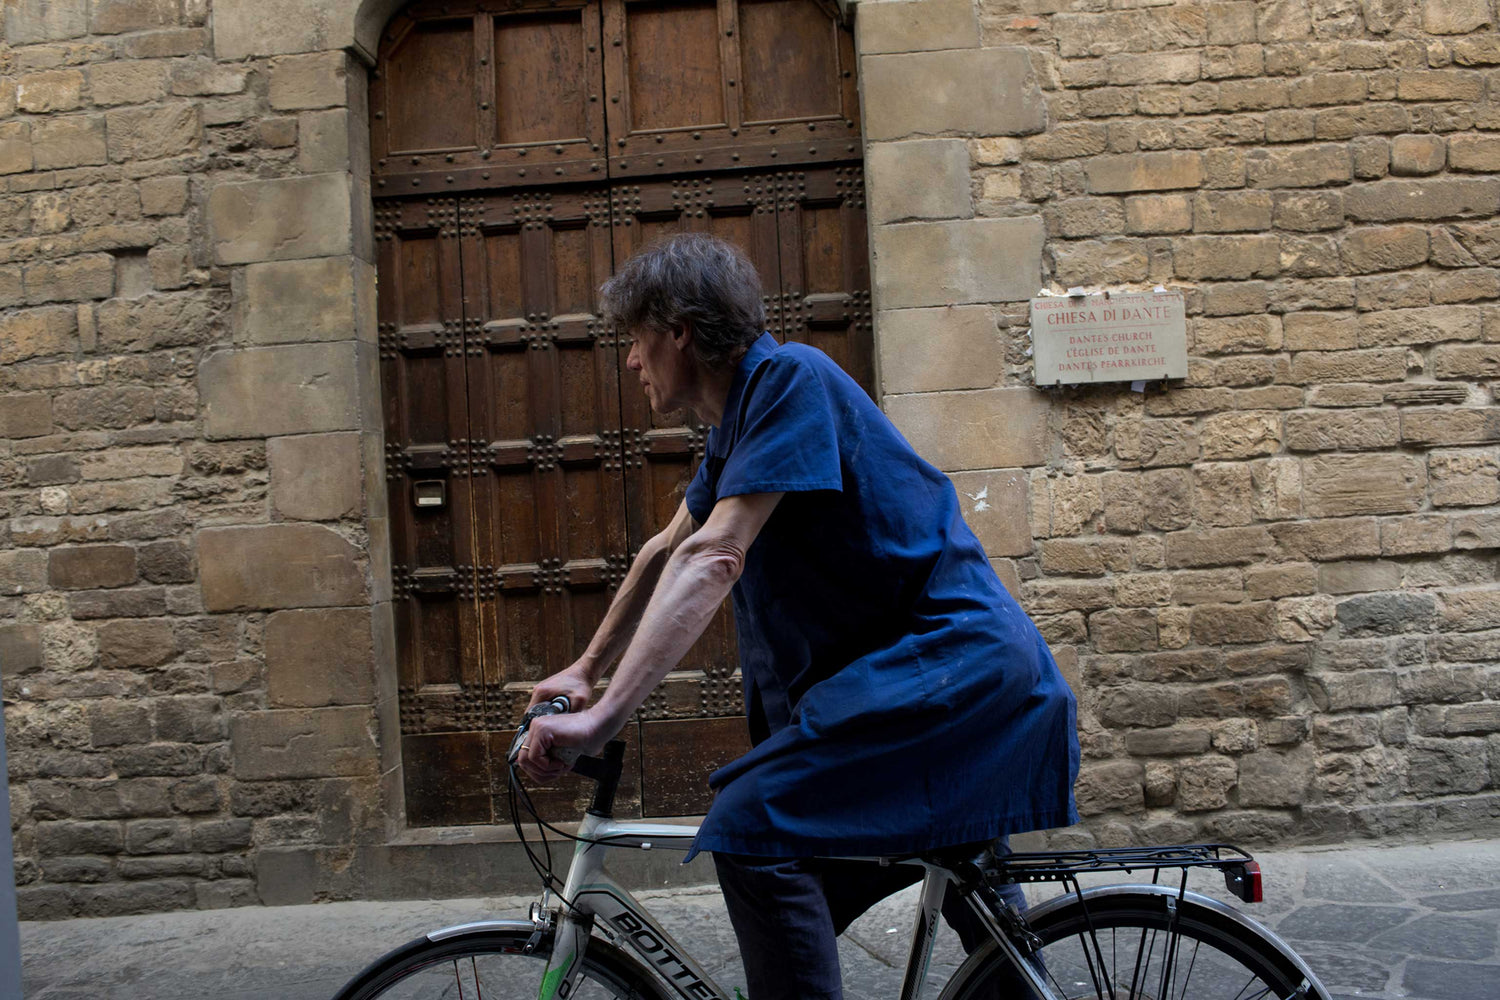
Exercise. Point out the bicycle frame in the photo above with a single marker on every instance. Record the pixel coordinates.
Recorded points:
(597, 897)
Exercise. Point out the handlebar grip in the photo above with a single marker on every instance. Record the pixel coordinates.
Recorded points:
(556, 706)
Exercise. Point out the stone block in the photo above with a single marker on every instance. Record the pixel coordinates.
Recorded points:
(1432, 198)
(318, 658)
(88, 567)
(1159, 213)
(1341, 538)
(301, 82)
(321, 137)
(1236, 334)
(1154, 171)
(127, 81)
(1440, 85)
(1419, 326)
(1460, 361)
(1218, 547)
(1417, 155)
(1349, 366)
(951, 263)
(1240, 435)
(1232, 211)
(72, 141)
(275, 27)
(314, 387)
(23, 571)
(1342, 430)
(281, 219)
(929, 350)
(987, 429)
(916, 26)
(152, 133)
(1338, 485)
(1468, 477)
(113, 17)
(30, 21)
(1299, 166)
(1111, 261)
(90, 276)
(1455, 17)
(316, 477)
(1476, 153)
(919, 179)
(20, 649)
(1450, 425)
(166, 43)
(1306, 211)
(303, 743)
(1226, 258)
(163, 195)
(1317, 331)
(204, 77)
(25, 415)
(989, 92)
(38, 333)
(138, 643)
(1132, 69)
(1383, 248)
(152, 322)
(1110, 786)
(1204, 783)
(50, 91)
(15, 147)
(278, 566)
(300, 300)
(1275, 779)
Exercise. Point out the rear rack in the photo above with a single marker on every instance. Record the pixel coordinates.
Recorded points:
(1241, 873)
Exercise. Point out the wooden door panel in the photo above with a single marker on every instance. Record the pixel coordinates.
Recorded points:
(440, 682)
(429, 86)
(677, 757)
(790, 62)
(544, 388)
(745, 85)
(469, 94)
(825, 269)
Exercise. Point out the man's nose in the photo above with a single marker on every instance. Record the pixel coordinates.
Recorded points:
(631, 361)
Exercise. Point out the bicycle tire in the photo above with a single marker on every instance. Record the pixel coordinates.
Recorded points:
(468, 964)
(1250, 961)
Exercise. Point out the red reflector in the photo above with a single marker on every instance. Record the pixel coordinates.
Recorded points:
(1252, 874)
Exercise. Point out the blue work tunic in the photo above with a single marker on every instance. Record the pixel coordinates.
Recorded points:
(898, 697)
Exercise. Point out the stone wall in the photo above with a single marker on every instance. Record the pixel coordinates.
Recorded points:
(1273, 584)
(192, 593)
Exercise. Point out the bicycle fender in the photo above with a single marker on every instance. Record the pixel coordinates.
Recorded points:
(570, 941)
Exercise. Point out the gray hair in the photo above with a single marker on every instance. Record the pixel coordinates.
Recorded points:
(694, 279)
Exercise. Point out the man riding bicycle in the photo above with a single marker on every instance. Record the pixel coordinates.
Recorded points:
(898, 698)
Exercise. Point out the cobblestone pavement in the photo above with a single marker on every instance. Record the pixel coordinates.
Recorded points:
(1415, 922)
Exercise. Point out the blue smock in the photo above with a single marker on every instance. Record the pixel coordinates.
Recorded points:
(898, 697)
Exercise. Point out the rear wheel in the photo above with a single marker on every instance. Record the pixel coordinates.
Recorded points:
(493, 965)
(1131, 945)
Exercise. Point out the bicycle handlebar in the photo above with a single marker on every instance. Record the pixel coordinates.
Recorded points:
(605, 770)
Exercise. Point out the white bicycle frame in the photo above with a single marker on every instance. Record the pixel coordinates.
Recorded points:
(597, 898)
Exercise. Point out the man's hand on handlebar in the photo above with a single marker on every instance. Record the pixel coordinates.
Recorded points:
(574, 683)
(543, 741)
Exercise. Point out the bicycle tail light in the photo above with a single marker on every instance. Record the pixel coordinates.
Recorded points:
(1244, 881)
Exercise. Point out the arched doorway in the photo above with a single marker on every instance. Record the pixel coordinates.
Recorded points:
(521, 149)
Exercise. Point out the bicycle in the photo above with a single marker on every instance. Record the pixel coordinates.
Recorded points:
(1108, 942)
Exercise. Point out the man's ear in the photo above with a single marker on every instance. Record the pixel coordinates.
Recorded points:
(682, 337)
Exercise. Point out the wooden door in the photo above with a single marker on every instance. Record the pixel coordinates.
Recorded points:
(523, 149)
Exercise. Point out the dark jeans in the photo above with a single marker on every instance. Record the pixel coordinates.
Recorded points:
(787, 913)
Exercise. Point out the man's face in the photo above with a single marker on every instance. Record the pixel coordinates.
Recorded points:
(660, 358)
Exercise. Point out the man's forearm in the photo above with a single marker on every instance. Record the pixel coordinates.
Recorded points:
(692, 586)
(625, 610)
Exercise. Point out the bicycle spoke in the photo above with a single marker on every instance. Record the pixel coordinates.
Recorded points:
(1192, 960)
(458, 979)
(478, 992)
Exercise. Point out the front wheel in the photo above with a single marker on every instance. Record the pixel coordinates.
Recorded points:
(1142, 943)
(493, 964)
